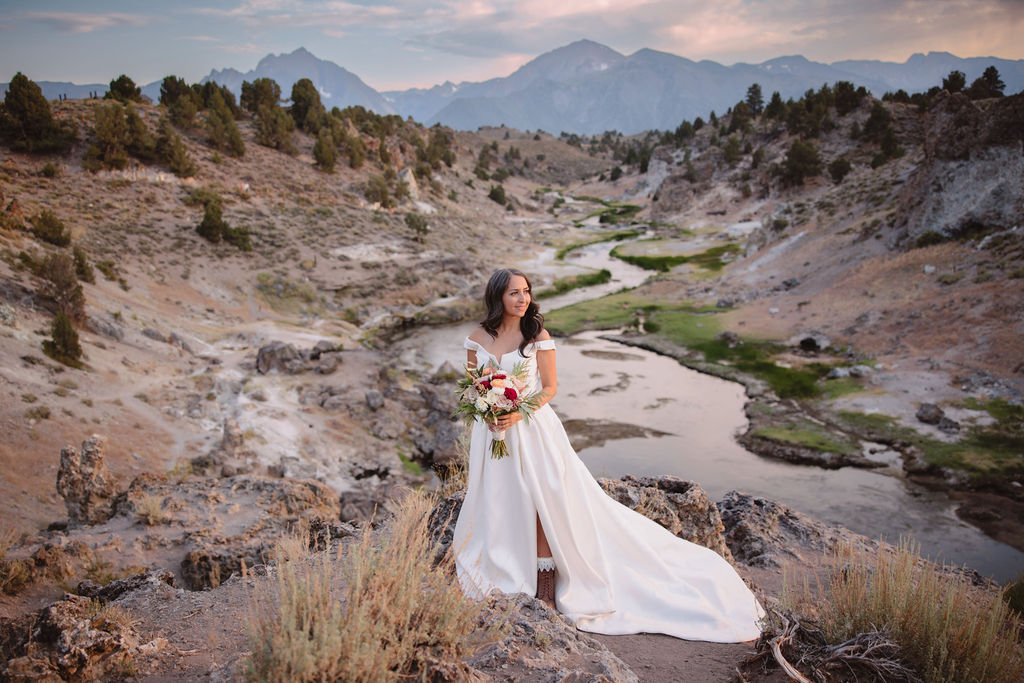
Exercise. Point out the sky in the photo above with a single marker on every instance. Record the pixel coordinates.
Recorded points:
(399, 44)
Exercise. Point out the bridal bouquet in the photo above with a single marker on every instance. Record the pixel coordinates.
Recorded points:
(489, 392)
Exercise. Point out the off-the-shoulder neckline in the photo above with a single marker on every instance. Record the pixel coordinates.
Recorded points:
(515, 350)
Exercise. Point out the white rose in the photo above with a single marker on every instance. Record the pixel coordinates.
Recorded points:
(481, 404)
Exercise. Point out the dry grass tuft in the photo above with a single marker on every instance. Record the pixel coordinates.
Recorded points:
(150, 509)
(14, 574)
(946, 628)
(398, 615)
(455, 474)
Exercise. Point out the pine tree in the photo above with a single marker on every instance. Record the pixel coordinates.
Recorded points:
(755, 100)
(63, 344)
(307, 111)
(123, 89)
(954, 82)
(323, 150)
(172, 151)
(26, 121)
(140, 141)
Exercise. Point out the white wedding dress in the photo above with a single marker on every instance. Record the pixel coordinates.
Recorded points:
(617, 571)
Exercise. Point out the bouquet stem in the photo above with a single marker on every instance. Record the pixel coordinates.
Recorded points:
(499, 449)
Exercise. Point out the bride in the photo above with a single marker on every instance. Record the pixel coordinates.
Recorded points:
(537, 522)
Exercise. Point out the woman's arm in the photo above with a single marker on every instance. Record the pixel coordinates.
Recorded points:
(548, 381)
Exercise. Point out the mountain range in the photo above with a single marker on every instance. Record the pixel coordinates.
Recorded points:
(586, 87)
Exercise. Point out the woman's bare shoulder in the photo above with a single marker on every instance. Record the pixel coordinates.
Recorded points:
(479, 335)
(543, 335)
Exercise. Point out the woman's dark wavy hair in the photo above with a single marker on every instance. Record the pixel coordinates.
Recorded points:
(532, 321)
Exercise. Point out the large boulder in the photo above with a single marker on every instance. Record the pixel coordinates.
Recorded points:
(69, 640)
(278, 356)
(680, 506)
(538, 644)
(764, 533)
(85, 483)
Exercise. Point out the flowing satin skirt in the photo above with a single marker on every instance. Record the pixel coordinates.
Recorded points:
(618, 571)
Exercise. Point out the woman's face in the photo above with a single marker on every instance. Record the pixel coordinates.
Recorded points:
(516, 297)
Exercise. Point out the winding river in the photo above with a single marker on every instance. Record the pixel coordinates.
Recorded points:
(700, 416)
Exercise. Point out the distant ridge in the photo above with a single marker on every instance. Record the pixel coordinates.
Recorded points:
(586, 87)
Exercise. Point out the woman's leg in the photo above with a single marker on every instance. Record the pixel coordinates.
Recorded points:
(543, 549)
(545, 568)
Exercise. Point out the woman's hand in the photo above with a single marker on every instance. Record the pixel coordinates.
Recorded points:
(505, 421)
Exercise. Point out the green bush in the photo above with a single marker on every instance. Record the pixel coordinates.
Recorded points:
(111, 131)
(214, 228)
(307, 111)
(49, 228)
(497, 194)
(63, 345)
(140, 141)
(83, 269)
(356, 149)
(838, 169)
(172, 151)
(27, 123)
(418, 224)
(323, 150)
(49, 170)
(377, 192)
(60, 285)
(274, 128)
(123, 89)
(262, 92)
(221, 130)
(801, 162)
(929, 238)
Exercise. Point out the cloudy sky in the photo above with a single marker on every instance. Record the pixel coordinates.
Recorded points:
(396, 44)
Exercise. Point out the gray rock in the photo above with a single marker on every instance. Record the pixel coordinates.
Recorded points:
(731, 339)
(327, 363)
(277, 356)
(179, 341)
(85, 483)
(323, 346)
(838, 373)
(763, 533)
(861, 370)
(929, 413)
(65, 642)
(155, 335)
(333, 403)
(948, 425)
(8, 316)
(680, 506)
(107, 328)
(116, 589)
(542, 645)
(374, 400)
(233, 437)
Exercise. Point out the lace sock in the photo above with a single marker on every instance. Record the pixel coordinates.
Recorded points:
(545, 564)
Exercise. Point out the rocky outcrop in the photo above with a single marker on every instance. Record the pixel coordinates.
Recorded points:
(69, 640)
(542, 645)
(680, 506)
(322, 359)
(764, 533)
(84, 482)
(115, 589)
(972, 176)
